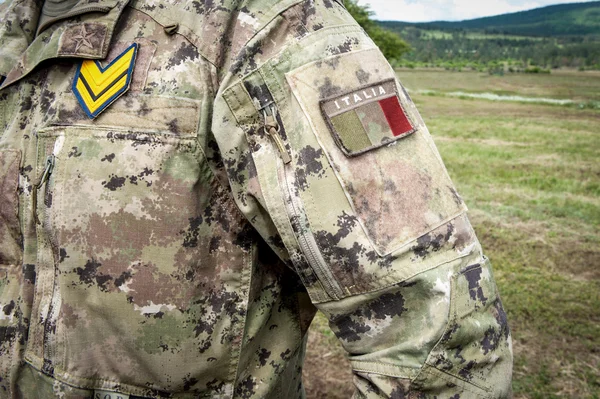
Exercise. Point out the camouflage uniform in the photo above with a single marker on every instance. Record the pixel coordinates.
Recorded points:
(263, 164)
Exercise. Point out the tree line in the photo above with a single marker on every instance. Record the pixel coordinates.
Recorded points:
(481, 49)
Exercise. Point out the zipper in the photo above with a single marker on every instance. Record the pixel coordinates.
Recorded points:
(306, 240)
(41, 182)
(273, 128)
(44, 235)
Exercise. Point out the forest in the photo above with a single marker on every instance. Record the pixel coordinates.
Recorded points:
(475, 50)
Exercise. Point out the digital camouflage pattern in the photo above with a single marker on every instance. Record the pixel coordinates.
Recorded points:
(165, 250)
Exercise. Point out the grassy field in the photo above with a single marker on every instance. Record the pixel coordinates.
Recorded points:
(531, 177)
(440, 34)
(563, 85)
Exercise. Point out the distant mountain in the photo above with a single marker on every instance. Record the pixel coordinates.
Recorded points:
(574, 19)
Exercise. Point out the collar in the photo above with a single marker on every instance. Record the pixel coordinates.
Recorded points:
(88, 36)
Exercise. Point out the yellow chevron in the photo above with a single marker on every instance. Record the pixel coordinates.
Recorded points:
(97, 87)
(94, 105)
(99, 80)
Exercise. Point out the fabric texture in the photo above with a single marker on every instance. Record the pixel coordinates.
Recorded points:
(164, 249)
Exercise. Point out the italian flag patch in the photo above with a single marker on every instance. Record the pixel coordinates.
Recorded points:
(367, 118)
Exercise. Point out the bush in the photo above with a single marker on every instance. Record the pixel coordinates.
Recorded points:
(390, 44)
(536, 69)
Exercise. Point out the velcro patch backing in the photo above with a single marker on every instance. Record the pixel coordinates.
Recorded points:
(367, 118)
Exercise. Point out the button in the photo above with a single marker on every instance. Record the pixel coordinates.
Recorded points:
(171, 29)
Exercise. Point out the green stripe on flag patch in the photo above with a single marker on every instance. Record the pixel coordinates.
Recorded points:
(351, 132)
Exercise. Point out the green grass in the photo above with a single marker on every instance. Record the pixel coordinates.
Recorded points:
(437, 34)
(490, 36)
(531, 177)
(570, 85)
(440, 34)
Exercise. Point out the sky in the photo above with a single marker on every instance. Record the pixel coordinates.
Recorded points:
(450, 10)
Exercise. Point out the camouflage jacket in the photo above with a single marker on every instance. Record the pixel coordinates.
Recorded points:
(175, 209)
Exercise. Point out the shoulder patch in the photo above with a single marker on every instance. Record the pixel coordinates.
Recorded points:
(97, 87)
(367, 118)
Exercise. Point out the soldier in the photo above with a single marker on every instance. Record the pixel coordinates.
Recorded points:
(182, 186)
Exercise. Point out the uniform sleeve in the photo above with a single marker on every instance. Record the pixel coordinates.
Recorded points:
(343, 180)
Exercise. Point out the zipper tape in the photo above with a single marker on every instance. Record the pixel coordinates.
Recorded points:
(247, 100)
(266, 81)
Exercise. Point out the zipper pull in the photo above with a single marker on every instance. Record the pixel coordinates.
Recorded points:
(272, 128)
(43, 179)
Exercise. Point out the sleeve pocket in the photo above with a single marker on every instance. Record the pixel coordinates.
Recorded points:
(372, 184)
(382, 155)
(366, 208)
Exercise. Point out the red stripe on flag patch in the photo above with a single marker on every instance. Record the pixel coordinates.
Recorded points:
(395, 116)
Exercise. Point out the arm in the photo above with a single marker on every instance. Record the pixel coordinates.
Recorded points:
(348, 187)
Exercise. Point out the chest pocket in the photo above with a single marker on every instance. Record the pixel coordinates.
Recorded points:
(140, 250)
(138, 231)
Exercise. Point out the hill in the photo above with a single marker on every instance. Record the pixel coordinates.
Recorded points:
(574, 19)
(566, 35)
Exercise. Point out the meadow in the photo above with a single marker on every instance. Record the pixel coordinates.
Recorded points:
(530, 174)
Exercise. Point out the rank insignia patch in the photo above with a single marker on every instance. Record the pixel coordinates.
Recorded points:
(97, 87)
(367, 118)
